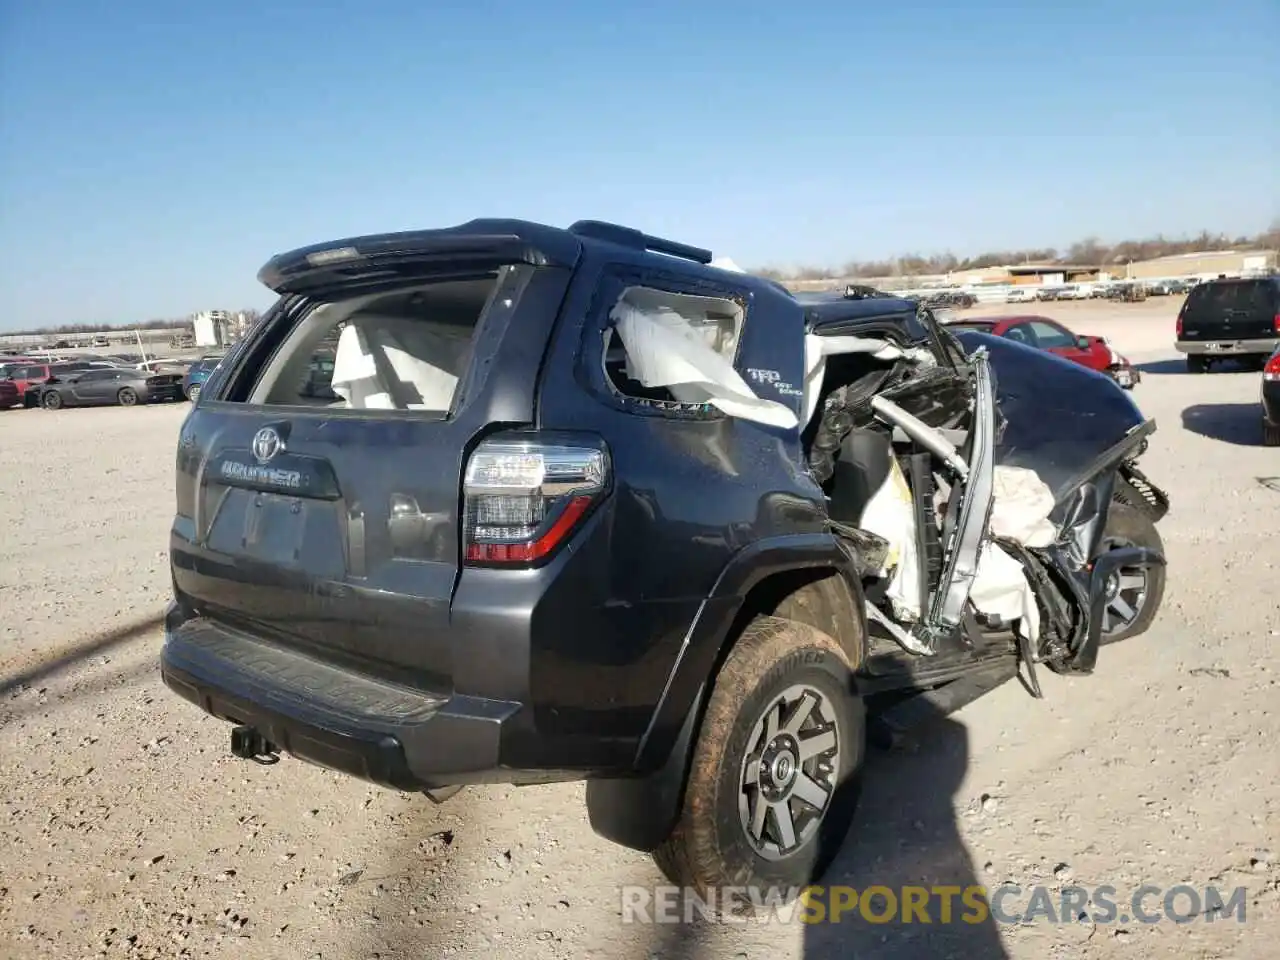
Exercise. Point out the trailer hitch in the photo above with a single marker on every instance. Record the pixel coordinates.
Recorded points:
(248, 744)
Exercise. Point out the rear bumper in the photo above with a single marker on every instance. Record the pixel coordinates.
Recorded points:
(1227, 347)
(332, 717)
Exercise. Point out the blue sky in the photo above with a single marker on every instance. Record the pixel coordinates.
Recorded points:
(152, 156)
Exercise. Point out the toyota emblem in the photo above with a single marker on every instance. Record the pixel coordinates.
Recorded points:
(266, 444)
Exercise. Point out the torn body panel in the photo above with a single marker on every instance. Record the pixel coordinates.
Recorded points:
(966, 477)
(1022, 491)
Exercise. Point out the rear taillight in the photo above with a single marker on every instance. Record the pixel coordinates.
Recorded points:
(1272, 370)
(523, 498)
(1177, 330)
(1275, 323)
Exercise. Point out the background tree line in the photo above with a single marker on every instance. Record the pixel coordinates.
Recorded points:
(80, 329)
(1090, 252)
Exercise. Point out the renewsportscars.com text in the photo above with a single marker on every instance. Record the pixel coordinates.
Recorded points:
(938, 904)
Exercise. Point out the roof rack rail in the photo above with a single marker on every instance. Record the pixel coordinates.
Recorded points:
(636, 240)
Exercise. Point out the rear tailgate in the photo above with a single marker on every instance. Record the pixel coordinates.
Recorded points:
(332, 526)
(1231, 310)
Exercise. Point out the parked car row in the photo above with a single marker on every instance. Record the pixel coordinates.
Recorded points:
(107, 381)
(54, 384)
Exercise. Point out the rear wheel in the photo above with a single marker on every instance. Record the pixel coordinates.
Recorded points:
(52, 400)
(193, 392)
(1270, 434)
(1197, 363)
(1133, 595)
(127, 397)
(775, 774)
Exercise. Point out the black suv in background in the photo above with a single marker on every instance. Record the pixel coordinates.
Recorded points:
(1230, 319)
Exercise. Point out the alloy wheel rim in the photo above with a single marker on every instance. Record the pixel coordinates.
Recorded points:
(789, 771)
(1126, 594)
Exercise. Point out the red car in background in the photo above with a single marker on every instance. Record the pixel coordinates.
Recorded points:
(1046, 334)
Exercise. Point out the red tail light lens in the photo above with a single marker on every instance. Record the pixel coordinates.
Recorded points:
(1177, 330)
(1272, 370)
(523, 498)
(1275, 323)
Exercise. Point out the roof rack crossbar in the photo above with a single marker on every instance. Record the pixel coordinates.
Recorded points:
(636, 240)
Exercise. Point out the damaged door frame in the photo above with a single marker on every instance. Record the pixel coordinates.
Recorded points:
(968, 510)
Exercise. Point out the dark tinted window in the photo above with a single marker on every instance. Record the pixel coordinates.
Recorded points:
(91, 375)
(30, 373)
(1254, 296)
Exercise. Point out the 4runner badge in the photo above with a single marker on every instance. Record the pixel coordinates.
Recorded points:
(266, 444)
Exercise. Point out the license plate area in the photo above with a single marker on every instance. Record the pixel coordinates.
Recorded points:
(1223, 347)
(276, 529)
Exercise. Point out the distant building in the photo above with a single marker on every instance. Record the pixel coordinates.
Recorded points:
(219, 328)
(1233, 263)
(212, 328)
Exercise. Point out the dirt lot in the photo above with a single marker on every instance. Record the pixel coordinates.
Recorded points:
(129, 831)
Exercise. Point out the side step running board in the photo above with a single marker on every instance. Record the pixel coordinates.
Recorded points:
(888, 726)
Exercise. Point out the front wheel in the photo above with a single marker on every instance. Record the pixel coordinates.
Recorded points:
(193, 392)
(776, 770)
(127, 397)
(52, 400)
(1133, 595)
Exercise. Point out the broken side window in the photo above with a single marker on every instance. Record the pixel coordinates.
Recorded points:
(678, 350)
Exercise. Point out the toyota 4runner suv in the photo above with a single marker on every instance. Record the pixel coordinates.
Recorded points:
(582, 504)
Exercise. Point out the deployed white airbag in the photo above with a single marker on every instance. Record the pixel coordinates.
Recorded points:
(1021, 507)
(665, 350)
(1001, 589)
(890, 513)
(403, 343)
(1020, 512)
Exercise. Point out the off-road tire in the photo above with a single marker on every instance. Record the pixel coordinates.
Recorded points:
(1197, 363)
(128, 397)
(1134, 525)
(51, 400)
(709, 847)
(1270, 434)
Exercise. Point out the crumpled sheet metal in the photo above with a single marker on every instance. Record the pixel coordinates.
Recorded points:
(817, 349)
(1020, 512)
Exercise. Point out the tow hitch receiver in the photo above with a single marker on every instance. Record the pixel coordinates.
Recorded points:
(248, 744)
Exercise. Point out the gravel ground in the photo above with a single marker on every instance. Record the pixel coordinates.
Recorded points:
(128, 830)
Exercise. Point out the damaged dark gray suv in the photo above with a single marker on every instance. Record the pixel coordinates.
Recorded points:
(584, 504)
